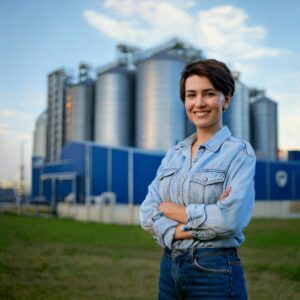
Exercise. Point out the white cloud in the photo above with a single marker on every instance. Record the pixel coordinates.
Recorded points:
(144, 23)
(130, 8)
(118, 30)
(4, 130)
(9, 113)
(261, 52)
(222, 31)
(7, 130)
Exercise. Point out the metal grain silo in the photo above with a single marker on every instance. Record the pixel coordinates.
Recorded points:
(237, 116)
(160, 116)
(114, 106)
(264, 129)
(39, 135)
(79, 111)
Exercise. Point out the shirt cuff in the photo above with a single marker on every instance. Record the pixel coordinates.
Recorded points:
(164, 230)
(203, 235)
(169, 237)
(196, 216)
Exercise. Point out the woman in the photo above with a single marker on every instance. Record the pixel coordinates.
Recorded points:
(203, 194)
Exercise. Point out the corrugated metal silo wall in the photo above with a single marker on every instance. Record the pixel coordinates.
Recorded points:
(114, 107)
(237, 116)
(160, 120)
(264, 129)
(40, 133)
(79, 113)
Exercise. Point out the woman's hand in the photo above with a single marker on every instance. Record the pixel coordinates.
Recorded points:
(182, 235)
(173, 211)
(225, 193)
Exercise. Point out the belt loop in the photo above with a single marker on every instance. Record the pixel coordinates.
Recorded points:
(191, 250)
(236, 251)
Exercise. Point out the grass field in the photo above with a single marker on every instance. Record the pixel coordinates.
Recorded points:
(63, 259)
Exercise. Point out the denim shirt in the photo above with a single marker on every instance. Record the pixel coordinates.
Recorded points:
(223, 161)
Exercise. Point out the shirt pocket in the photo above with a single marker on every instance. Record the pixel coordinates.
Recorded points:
(206, 186)
(165, 178)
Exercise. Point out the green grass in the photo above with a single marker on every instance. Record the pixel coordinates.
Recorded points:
(63, 259)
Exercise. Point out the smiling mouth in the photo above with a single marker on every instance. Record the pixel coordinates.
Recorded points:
(201, 114)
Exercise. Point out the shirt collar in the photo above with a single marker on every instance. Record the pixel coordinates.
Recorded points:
(213, 144)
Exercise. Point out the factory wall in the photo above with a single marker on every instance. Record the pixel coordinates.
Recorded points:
(294, 155)
(88, 170)
(277, 180)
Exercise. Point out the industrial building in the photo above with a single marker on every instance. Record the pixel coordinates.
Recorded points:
(135, 102)
(87, 170)
(121, 124)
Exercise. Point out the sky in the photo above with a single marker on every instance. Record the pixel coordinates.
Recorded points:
(260, 39)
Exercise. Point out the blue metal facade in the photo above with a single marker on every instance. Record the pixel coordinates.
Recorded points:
(277, 180)
(294, 155)
(89, 169)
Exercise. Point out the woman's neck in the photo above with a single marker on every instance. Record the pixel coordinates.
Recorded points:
(202, 136)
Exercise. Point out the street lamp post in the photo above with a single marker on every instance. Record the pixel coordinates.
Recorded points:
(21, 185)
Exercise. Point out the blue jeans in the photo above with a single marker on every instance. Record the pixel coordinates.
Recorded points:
(208, 273)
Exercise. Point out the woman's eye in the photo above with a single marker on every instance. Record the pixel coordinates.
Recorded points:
(210, 94)
(190, 95)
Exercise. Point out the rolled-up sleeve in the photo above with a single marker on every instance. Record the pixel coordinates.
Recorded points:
(232, 214)
(151, 219)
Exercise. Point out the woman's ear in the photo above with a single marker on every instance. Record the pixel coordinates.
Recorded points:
(226, 102)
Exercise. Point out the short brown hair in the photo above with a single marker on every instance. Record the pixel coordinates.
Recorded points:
(216, 71)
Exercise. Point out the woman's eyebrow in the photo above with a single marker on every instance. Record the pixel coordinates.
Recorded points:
(204, 90)
(209, 89)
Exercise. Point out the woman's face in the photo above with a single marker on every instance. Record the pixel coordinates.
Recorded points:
(204, 104)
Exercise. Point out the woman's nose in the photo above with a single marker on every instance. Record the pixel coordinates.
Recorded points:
(200, 101)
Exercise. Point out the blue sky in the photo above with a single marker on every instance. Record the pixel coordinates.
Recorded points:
(258, 38)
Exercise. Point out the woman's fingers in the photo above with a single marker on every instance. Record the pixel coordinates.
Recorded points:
(225, 193)
(173, 211)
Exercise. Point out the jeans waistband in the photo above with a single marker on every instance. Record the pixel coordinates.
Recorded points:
(191, 253)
